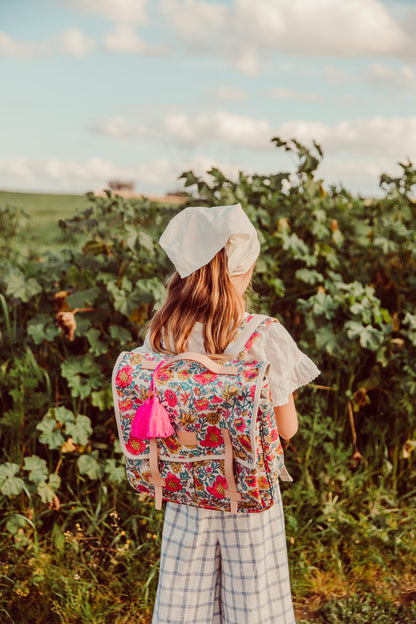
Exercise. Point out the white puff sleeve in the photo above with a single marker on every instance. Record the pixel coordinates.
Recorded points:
(290, 368)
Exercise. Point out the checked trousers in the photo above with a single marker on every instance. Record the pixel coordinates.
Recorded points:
(223, 568)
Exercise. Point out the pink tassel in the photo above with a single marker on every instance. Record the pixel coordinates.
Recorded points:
(151, 420)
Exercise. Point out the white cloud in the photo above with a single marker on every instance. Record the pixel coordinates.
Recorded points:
(386, 77)
(407, 19)
(334, 75)
(246, 32)
(125, 11)
(72, 42)
(231, 93)
(157, 176)
(219, 127)
(22, 49)
(197, 22)
(349, 99)
(75, 43)
(118, 128)
(393, 136)
(54, 174)
(17, 173)
(159, 171)
(124, 39)
(286, 93)
(223, 127)
(359, 175)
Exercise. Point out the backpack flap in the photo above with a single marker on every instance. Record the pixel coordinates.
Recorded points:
(201, 403)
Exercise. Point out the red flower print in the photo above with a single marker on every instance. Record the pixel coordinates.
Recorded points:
(220, 485)
(135, 447)
(125, 405)
(245, 441)
(213, 438)
(172, 443)
(252, 392)
(274, 435)
(199, 485)
(163, 376)
(252, 482)
(124, 376)
(249, 373)
(263, 483)
(171, 398)
(173, 484)
(239, 423)
(206, 377)
(216, 399)
(201, 404)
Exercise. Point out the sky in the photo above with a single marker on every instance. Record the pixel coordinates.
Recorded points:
(142, 90)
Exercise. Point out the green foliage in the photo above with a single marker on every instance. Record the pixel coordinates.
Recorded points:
(338, 270)
(368, 610)
(13, 225)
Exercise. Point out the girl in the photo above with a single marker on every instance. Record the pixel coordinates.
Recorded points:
(217, 567)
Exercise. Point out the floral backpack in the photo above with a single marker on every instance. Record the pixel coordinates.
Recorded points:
(218, 446)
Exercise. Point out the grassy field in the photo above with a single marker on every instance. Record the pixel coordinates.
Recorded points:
(44, 211)
(44, 208)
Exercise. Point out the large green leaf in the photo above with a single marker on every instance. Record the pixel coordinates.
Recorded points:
(52, 424)
(80, 430)
(88, 464)
(10, 484)
(38, 470)
(327, 340)
(98, 346)
(21, 287)
(16, 522)
(83, 374)
(120, 333)
(42, 327)
(45, 492)
(409, 322)
(370, 338)
(116, 472)
(103, 399)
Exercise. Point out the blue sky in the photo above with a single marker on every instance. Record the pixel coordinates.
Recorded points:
(144, 89)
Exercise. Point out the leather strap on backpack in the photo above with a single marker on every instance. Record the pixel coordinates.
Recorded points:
(231, 492)
(155, 478)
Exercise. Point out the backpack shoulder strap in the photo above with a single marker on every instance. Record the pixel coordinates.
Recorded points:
(250, 326)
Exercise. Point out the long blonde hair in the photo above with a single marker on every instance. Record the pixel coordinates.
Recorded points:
(209, 296)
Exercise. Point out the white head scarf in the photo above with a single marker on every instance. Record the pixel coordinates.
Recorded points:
(196, 234)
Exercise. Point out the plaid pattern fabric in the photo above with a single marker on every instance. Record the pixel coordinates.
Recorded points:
(220, 568)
